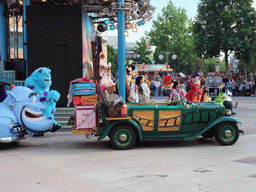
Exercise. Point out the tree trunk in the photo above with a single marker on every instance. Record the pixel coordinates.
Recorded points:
(226, 64)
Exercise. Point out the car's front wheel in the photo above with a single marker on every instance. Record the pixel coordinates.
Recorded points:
(123, 137)
(227, 133)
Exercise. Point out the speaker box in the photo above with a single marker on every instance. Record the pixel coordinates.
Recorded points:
(54, 40)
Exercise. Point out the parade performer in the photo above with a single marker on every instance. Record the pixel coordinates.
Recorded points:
(196, 79)
(194, 93)
(227, 102)
(177, 93)
(40, 81)
(22, 105)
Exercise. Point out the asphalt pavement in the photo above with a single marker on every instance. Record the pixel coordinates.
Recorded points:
(67, 162)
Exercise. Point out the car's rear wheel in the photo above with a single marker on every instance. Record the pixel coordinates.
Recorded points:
(123, 137)
(227, 134)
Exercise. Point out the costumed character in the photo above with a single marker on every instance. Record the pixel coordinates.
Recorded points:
(196, 79)
(40, 81)
(220, 98)
(194, 93)
(110, 83)
(227, 102)
(22, 106)
(205, 97)
(168, 81)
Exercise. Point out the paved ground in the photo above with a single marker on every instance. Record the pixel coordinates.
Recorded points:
(65, 162)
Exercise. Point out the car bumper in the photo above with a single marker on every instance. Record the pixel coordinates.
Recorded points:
(10, 139)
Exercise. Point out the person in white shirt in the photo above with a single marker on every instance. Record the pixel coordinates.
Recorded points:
(137, 90)
(145, 87)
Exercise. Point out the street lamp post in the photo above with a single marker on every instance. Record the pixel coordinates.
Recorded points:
(217, 66)
(167, 53)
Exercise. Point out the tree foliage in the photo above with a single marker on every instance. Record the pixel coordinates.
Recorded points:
(225, 26)
(112, 57)
(142, 51)
(172, 32)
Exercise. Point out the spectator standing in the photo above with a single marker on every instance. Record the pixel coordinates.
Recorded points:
(157, 84)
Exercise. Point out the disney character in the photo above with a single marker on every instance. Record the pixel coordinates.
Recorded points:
(220, 98)
(21, 111)
(196, 79)
(194, 93)
(227, 102)
(40, 81)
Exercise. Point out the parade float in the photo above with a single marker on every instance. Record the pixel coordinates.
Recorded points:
(103, 115)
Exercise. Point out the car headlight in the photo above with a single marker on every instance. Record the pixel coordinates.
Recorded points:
(11, 124)
(228, 112)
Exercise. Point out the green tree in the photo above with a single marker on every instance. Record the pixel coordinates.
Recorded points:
(142, 51)
(210, 63)
(172, 32)
(112, 57)
(225, 26)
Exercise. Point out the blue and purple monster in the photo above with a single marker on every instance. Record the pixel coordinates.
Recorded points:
(40, 81)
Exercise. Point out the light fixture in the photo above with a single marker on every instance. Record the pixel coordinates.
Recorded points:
(174, 56)
(21, 2)
(142, 22)
(133, 25)
(102, 27)
(145, 3)
(134, 15)
(128, 26)
(128, 13)
(149, 18)
(134, 30)
(43, 0)
(138, 23)
(126, 33)
(112, 27)
(145, 16)
(105, 11)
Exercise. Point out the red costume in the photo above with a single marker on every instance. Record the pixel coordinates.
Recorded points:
(194, 93)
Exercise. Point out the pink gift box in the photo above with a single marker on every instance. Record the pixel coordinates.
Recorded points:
(85, 116)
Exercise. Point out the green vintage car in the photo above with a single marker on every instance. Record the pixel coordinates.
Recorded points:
(161, 121)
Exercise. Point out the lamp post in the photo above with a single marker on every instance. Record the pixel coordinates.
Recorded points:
(167, 53)
(217, 66)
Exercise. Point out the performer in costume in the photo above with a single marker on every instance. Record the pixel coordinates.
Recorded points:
(40, 81)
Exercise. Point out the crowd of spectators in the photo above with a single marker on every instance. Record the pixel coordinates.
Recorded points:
(151, 84)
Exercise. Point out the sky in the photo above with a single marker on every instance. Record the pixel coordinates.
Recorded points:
(189, 5)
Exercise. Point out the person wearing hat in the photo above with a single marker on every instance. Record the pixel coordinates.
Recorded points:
(196, 79)
(167, 81)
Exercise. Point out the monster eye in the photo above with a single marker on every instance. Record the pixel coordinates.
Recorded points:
(34, 99)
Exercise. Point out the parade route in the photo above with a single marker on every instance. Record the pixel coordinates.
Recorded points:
(67, 162)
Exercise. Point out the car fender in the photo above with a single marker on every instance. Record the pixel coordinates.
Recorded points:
(5, 127)
(127, 122)
(220, 120)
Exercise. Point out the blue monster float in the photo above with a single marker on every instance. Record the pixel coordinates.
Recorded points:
(40, 81)
(20, 111)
